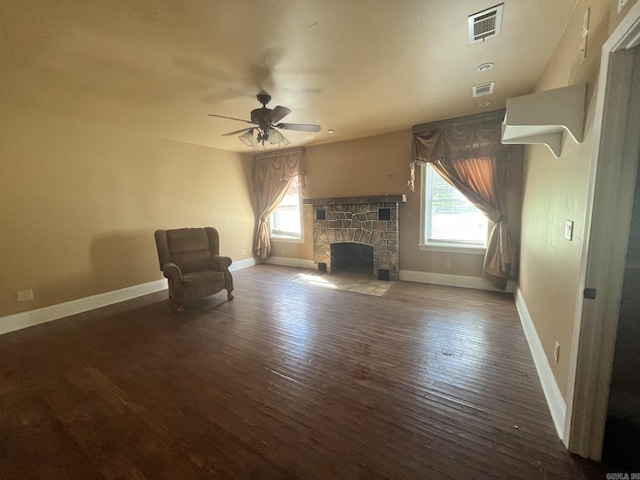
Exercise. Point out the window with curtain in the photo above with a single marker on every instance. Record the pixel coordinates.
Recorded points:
(286, 220)
(449, 220)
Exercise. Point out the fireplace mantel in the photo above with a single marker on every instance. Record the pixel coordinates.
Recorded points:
(400, 198)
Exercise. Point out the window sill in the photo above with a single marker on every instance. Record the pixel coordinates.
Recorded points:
(286, 239)
(452, 248)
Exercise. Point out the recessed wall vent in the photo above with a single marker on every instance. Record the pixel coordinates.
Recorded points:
(483, 89)
(485, 24)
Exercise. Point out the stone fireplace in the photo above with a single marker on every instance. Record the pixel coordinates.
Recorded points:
(340, 225)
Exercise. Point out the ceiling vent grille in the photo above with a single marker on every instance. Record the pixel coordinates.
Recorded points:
(485, 24)
(483, 89)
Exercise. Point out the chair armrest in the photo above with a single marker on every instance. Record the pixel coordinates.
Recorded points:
(172, 271)
(219, 262)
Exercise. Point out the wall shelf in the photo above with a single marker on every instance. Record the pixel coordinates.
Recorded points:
(544, 117)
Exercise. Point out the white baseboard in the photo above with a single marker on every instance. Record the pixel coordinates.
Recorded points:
(42, 315)
(46, 314)
(240, 264)
(555, 401)
(464, 281)
(290, 262)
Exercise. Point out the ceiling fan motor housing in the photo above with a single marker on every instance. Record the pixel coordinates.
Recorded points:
(259, 116)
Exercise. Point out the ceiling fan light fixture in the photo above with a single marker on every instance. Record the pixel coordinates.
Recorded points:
(258, 143)
(284, 142)
(247, 138)
(275, 137)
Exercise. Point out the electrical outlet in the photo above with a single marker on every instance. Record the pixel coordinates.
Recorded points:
(25, 295)
(621, 4)
(244, 252)
(556, 352)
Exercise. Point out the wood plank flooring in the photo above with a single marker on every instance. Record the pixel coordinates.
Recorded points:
(286, 381)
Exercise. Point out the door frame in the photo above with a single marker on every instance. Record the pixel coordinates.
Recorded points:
(614, 162)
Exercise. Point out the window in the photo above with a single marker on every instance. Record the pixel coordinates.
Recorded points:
(286, 221)
(450, 221)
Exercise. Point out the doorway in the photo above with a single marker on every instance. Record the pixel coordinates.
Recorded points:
(622, 431)
(612, 189)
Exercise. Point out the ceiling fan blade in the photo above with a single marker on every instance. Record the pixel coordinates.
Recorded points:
(237, 131)
(231, 118)
(277, 114)
(302, 127)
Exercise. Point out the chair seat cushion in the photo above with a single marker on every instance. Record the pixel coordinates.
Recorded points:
(199, 278)
(202, 284)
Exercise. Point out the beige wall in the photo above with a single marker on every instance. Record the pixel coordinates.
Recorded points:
(555, 190)
(379, 165)
(79, 203)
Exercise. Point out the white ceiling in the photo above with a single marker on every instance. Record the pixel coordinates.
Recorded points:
(361, 67)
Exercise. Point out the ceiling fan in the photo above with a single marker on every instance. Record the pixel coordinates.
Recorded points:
(265, 123)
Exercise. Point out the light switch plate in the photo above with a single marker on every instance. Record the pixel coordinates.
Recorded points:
(568, 230)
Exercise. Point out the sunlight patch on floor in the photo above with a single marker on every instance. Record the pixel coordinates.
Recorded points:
(349, 282)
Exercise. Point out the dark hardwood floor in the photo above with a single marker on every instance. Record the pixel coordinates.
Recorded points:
(286, 381)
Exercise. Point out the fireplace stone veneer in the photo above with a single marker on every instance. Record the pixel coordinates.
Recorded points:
(369, 220)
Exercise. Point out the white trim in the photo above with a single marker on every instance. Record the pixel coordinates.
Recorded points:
(240, 264)
(452, 248)
(555, 401)
(275, 238)
(630, 25)
(290, 262)
(463, 281)
(42, 315)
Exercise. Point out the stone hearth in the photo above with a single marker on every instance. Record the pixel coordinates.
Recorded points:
(369, 220)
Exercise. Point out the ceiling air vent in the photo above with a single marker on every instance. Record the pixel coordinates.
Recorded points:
(483, 89)
(485, 24)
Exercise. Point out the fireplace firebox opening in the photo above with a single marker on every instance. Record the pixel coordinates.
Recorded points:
(352, 257)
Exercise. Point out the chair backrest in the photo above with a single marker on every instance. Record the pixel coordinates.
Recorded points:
(189, 248)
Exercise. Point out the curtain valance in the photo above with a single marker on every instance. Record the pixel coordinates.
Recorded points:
(461, 138)
(278, 166)
(471, 138)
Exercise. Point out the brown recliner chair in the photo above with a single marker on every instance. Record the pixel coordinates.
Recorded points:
(189, 258)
